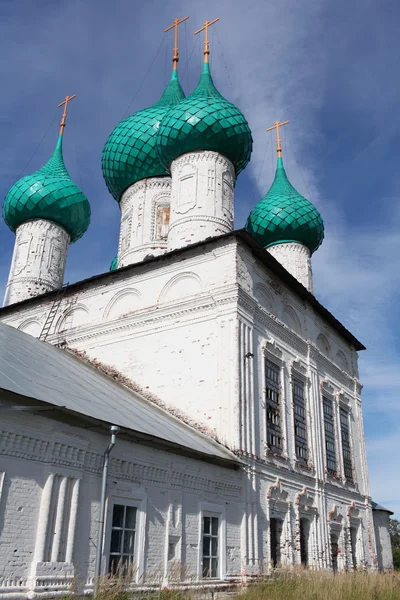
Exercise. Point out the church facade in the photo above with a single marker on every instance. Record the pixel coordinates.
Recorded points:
(223, 328)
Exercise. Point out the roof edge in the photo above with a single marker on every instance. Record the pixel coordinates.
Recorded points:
(259, 252)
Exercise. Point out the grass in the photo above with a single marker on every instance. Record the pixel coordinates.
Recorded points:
(312, 585)
(288, 585)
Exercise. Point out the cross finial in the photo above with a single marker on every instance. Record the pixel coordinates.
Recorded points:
(278, 139)
(206, 41)
(175, 25)
(64, 115)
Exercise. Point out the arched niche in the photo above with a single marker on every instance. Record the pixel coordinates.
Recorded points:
(31, 327)
(122, 304)
(290, 318)
(264, 297)
(72, 318)
(181, 286)
(341, 361)
(323, 345)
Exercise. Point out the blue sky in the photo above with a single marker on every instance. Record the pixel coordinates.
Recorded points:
(329, 66)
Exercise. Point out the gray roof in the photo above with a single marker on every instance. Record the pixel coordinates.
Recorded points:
(376, 506)
(39, 371)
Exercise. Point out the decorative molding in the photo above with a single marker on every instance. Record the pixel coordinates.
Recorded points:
(276, 492)
(270, 347)
(299, 366)
(200, 156)
(304, 501)
(326, 387)
(334, 516)
(352, 511)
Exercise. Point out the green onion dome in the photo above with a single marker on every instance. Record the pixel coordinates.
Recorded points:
(205, 121)
(284, 215)
(114, 263)
(130, 151)
(49, 194)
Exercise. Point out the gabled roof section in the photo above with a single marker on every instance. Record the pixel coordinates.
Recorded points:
(243, 236)
(38, 371)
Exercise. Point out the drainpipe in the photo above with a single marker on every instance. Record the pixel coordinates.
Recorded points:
(114, 431)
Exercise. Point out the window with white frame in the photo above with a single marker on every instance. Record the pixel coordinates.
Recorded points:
(329, 427)
(123, 534)
(346, 448)
(272, 405)
(300, 420)
(211, 546)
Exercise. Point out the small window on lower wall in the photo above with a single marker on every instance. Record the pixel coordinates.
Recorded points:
(210, 547)
(122, 544)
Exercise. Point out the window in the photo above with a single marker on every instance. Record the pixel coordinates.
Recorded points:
(272, 401)
(275, 526)
(123, 532)
(329, 425)
(304, 535)
(300, 421)
(346, 449)
(210, 547)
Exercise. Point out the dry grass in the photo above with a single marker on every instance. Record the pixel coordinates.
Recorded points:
(309, 585)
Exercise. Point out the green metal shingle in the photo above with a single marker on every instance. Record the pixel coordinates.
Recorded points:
(48, 194)
(129, 154)
(205, 120)
(284, 215)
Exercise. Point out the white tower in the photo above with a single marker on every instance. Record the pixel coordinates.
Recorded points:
(286, 224)
(205, 141)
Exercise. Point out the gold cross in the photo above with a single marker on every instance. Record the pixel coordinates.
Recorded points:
(175, 24)
(206, 41)
(64, 115)
(278, 139)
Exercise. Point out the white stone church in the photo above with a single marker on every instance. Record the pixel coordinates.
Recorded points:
(236, 393)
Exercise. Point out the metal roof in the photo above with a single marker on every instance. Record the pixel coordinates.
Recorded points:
(241, 234)
(378, 507)
(39, 371)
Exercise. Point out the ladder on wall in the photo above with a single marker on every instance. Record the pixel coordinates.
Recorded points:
(52, 312)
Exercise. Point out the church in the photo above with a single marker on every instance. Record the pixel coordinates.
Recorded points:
(193, 416)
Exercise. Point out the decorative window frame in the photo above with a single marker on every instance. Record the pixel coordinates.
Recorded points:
(271, 351)
(213, 510)
(354, 521)
(298, 370)
(344, 402)
(305, 509)
(278, 507)
(329, 391)
(138, 500)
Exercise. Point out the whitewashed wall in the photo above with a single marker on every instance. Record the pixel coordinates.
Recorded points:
(194, 330)
(171, 490)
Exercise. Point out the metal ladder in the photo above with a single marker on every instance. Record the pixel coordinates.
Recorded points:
(52, 312)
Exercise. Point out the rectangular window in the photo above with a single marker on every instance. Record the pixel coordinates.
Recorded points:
(329, 426)
(123, 532)
(300, 421)
(210, 547)
(272, 402)
(346, 449)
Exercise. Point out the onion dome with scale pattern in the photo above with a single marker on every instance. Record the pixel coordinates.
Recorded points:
(114, 263)
(49, 194)
(129, 154)
(205, 120)
(284, 215)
